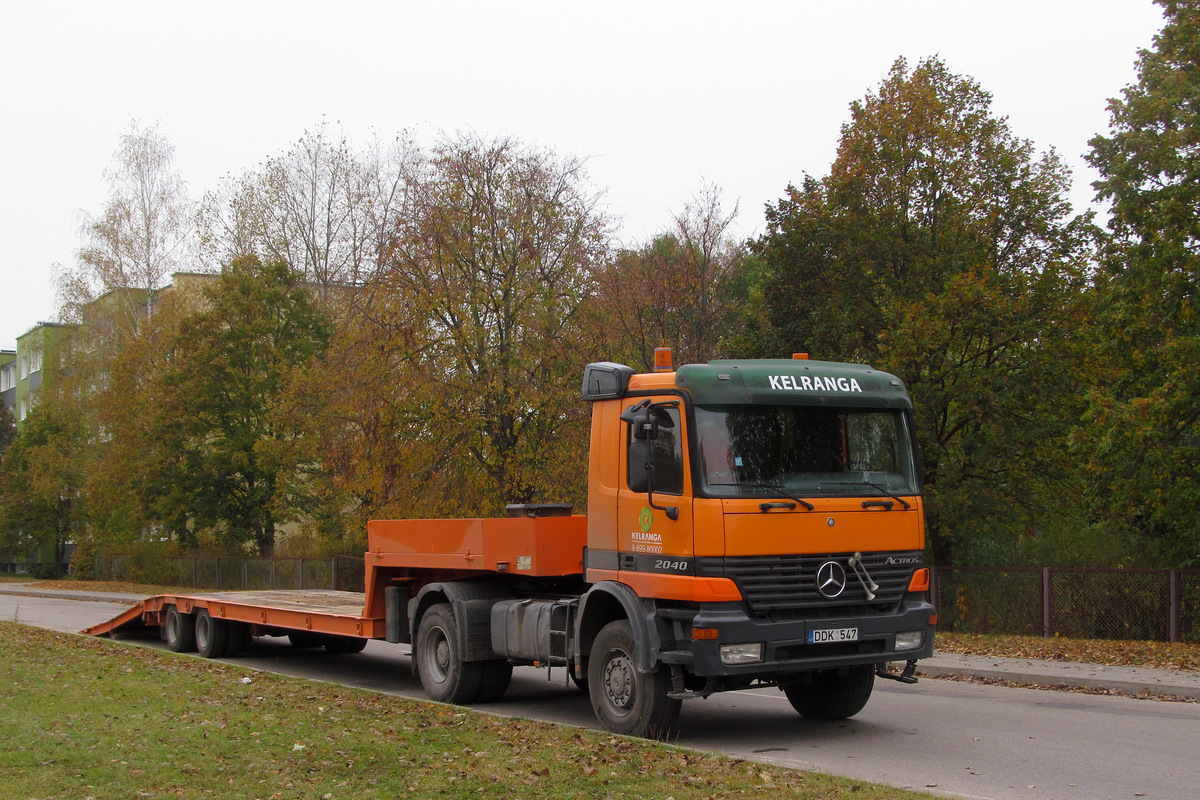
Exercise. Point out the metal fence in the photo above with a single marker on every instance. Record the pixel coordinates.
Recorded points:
(1133, 604)
(343, 573)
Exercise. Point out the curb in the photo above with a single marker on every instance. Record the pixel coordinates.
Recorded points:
(1127, 680)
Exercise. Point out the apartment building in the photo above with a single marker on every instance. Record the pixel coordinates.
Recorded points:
(8, 378)
(34, 365)
(41, 355)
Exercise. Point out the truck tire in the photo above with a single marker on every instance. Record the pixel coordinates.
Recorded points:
(497, 674)
(179, 631)
(210, 635)
(445, 676)
(625, 700)
(832, 694)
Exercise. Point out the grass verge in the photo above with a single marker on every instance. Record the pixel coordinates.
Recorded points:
(90, 718)
(1160, 655)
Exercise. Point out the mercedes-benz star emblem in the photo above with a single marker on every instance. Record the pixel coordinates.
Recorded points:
(831, 579)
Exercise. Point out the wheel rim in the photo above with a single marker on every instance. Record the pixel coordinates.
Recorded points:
(437, 647)
(619, 681)
(202, 631)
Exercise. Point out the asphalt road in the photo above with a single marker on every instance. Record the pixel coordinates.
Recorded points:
(955, 739)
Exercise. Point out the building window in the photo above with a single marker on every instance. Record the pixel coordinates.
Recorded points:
(8, 377)
(35, 361)
(24, 367)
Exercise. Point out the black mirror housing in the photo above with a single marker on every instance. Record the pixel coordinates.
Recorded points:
(641, 454)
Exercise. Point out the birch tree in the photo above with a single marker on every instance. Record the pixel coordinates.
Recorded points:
(144, 233)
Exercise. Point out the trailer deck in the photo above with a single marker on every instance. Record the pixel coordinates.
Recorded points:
(319, 611)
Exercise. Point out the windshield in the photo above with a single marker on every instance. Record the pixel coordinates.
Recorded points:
(757, 451)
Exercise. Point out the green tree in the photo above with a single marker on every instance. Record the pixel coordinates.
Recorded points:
(1143, 433)
(41, 477)
(223, 445)
(940, 248)
(8, 428)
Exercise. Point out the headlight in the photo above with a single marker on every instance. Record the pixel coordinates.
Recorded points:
(910, 640)
(741, 653)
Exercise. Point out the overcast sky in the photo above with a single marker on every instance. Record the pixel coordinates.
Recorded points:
(658, 96)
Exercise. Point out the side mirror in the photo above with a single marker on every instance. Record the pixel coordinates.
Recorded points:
(644, 420)
(641, 462)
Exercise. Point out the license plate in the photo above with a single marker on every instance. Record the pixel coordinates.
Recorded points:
(833, 635)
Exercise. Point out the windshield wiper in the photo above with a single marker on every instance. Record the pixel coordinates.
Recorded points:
(776, 488)
(883, 489)
(772, 487)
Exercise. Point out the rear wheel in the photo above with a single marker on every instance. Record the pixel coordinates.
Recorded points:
(445, 676)
(497, 674)
(210, 634)
(179, 630)
(625, 700)
(832, 694)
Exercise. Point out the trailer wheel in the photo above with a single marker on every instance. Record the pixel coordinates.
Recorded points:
(179, 630)
(445, 676)
(625, 700)
(832, 694)
(497, 674)
(210, 634)
(342, 645)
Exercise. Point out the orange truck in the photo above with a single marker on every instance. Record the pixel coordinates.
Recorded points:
(750, 523)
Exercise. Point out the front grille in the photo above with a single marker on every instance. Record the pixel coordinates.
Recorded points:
(782, 583)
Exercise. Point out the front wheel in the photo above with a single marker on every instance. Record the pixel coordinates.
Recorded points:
(445, 676)
(832, 694)
(625, 700)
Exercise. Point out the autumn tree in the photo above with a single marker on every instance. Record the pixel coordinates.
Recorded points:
(941, 248)
(464, 391)
(673, 291)
(221, 445)
(323, 207)
(1143, 436)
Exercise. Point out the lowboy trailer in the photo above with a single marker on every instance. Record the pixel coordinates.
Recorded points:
(750, 523)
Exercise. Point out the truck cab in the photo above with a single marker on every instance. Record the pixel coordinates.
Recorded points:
(767, 517)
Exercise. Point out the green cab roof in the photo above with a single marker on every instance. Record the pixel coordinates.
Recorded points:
(791, 382)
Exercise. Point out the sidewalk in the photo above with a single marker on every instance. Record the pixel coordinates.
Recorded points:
(33, 590)
(1133, 680)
